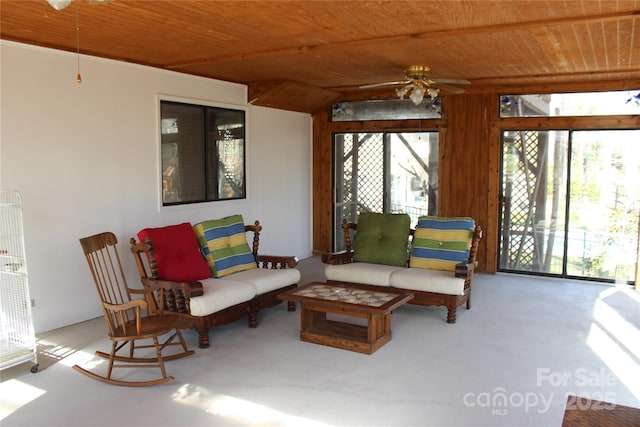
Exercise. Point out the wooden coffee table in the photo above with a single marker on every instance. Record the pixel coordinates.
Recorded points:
(373, 303)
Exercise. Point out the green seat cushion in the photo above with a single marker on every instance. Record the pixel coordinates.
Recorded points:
(439, 243)
(224, 245)
(382, 239)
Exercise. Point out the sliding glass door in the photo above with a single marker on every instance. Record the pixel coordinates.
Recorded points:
(570, 202)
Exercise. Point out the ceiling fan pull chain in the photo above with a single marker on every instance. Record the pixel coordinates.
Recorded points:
(78, 76)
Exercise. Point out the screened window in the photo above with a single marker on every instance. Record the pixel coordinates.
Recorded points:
(384, 172)
(203, 153)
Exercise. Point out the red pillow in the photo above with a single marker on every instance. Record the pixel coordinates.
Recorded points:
(177, 253)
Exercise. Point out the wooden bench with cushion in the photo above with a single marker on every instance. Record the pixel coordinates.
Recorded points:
(214, 276)
(435, 261)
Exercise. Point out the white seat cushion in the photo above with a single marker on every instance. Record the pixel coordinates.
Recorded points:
(268, 279)
(421, 279)
(361, 272)
(219, 294)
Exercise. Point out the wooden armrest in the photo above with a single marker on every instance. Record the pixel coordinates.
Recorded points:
(134, 303)
(337, 258)
(463, 269)
(149, 287)
(190, 289)
(276, 261)
(173, 296)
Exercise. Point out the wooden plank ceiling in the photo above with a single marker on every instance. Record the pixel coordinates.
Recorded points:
(304, 55)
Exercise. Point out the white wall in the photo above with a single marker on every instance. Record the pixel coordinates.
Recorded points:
(85, 159)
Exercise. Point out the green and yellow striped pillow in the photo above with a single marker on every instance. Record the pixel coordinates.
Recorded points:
(439, 243)
(224, 245)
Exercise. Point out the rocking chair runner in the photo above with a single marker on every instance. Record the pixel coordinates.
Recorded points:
(125, 318)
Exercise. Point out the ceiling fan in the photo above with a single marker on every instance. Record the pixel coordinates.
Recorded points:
(418, 84)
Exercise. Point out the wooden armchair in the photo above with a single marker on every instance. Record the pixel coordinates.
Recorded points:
(129, 320)
(177, 295)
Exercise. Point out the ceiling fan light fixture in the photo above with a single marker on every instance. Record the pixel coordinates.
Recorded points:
(417, 94)
(416, 72)
(402, 91)
(418, 85)
(417, 91)
(59, 4)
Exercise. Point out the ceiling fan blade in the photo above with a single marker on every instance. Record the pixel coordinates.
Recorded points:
(450, 88)
(384, 84)
(452, 81)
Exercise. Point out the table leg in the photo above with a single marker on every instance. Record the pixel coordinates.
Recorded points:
(310, 318)
(375, 328)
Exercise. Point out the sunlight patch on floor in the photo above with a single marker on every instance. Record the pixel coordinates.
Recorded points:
(87, 360)
(238, 410)
(14, 394)
(55, 351)
(617, 341)
(61, 353)
(627, 334)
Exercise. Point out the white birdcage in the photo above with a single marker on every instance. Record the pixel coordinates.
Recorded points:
(17, 336)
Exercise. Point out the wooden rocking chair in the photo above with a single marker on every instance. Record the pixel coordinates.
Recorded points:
(129, 320)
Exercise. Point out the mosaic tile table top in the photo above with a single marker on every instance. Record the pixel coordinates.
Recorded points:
(346, 295)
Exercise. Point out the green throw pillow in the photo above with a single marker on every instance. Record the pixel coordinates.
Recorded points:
(382, 239)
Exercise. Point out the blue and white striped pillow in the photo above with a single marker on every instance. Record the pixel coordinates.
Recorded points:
(224, 245)
(439, 243)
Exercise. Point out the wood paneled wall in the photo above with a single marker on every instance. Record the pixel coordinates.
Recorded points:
(465, 159)
(322, 183)
(469, 161)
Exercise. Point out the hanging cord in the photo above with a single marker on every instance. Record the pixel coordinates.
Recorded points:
(78, 76)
